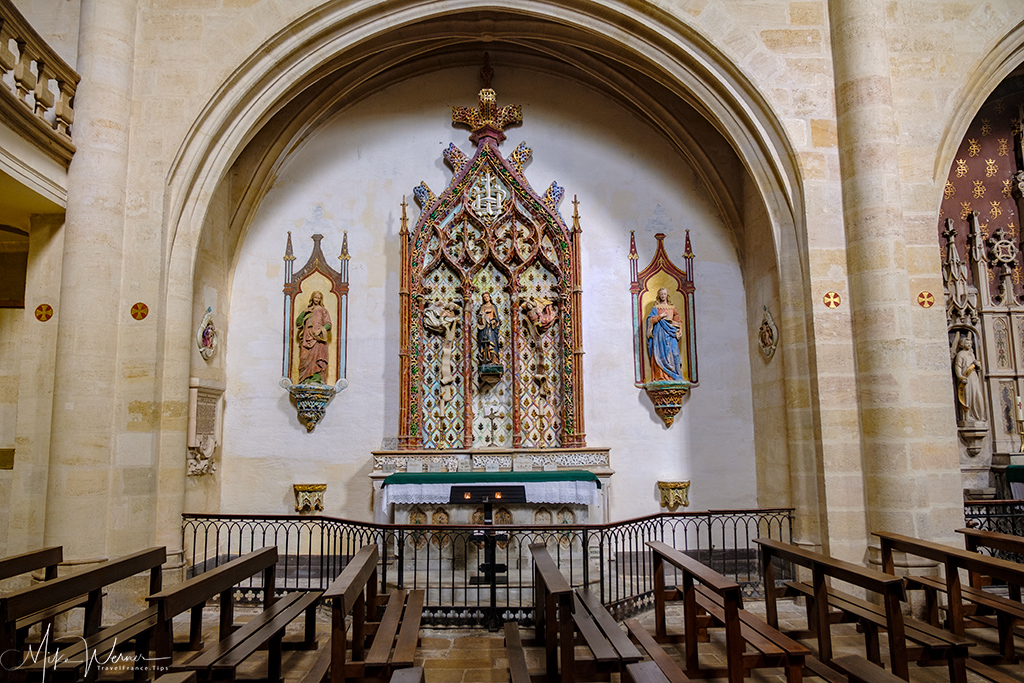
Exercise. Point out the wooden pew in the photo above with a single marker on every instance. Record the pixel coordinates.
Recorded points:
(705, 590)
(392, 639)
(40, 602)
(561, 613)
(932, 643)
(859, 670)
(46, 559)
(237, 641)
(953, 560)
(975, 539)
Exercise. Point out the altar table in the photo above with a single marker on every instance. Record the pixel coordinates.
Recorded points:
(563, 487)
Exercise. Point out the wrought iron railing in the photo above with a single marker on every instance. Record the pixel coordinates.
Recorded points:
(610, 559)
(1003, 516)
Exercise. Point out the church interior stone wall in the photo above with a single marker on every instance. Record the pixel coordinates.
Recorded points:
(215, 129)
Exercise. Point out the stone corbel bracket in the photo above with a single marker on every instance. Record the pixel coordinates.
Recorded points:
(667, 398)
(309, 497)
(674, 494)
(311, 399)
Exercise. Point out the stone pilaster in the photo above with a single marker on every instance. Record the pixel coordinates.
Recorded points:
(82, 462)
(909, 460)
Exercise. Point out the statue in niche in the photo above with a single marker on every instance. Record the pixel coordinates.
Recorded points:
(969, 391)
(443, 318)
(664, 330)
(313, 335)
(487, 326)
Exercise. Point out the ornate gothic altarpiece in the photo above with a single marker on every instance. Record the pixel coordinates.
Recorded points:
(983, 278)
(491, 340)
(315, 330)
(664, 329)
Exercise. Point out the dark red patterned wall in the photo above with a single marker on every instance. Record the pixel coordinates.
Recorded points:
(980, 177)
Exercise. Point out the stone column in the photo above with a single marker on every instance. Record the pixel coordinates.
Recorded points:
(83, 436)
(911, 467)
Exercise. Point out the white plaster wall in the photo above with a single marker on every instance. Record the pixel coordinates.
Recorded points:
(358, 167)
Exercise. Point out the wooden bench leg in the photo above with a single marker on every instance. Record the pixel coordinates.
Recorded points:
(274, 658)
(1006, 645)
(871, 646)
(957, 669)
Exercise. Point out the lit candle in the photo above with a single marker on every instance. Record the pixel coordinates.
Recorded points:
(1020, 412)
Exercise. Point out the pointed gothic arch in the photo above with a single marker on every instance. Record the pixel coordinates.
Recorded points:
(326, 60)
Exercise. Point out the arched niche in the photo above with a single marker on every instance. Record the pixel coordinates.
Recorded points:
(651, 64)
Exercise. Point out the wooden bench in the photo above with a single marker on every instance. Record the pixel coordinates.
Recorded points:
(953, 560)
(561, 614)
(236, 641)
(41, 602)
(45, 559)
(933, 644)
(392, 639)
(649, 672)
(705, 591)
(859, 670)
(975, 539)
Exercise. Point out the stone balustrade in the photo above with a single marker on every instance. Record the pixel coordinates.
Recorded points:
(37, 99)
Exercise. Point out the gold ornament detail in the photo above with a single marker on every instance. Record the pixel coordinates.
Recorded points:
(965, 210)
(991, 168)
(986, 127)
(950, 190)
(1004, 147)
(996, 211)
(979, 189)
(973, 148)
(961, 168)
(1007, 188)
(674, 494)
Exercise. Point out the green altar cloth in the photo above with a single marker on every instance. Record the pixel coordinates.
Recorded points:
(488, 477)
(1015, 473)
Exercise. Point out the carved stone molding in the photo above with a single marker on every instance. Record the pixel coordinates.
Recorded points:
(568, 458)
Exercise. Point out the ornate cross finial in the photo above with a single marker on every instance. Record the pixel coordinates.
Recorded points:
(488, 119)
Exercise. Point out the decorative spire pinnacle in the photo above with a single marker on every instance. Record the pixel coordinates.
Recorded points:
(488, 119)
(289, 255)
(344, 248)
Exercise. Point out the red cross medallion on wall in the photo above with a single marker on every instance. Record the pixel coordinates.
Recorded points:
(44, 312)
(140, 311)
(926, 299)
(832, 299)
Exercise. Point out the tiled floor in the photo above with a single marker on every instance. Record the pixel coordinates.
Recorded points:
(478, 656)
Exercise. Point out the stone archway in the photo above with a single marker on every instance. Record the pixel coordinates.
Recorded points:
(329, 59)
